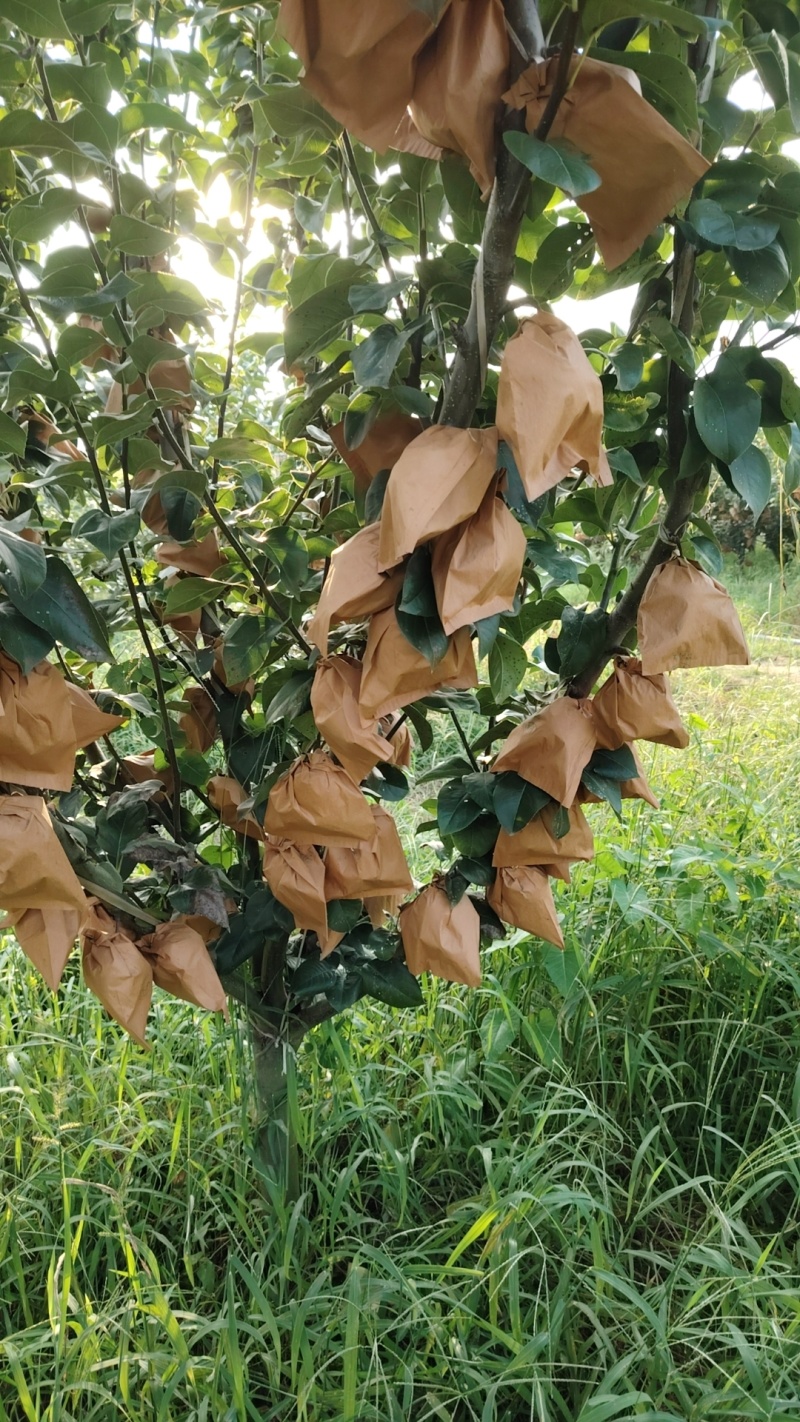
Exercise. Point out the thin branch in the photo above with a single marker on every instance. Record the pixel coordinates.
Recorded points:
(370, 215)
(237, 306)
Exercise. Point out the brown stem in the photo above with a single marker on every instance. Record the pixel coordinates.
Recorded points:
(237, 307)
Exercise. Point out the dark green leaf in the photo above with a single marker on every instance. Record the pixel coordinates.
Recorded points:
(628, 363)
(344, 914)
(516, 801)
(555, 161)
(391, 983)
(763, 274)
(21, 640)
(387, 782)
(22, 565)
(727, 412)
(455, 810)
(61, 608)
(292, 700)
(375, 358)
(244, 648)
(751, 477)
(107, 532)
(582, 638)
(417, 612)
(41, 18)
(508, 663)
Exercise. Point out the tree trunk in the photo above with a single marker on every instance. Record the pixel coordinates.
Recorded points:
(275, 1144)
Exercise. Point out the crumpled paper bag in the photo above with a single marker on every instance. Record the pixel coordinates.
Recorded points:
(638, 788)
(89, 722)
(360, 59)
(399, 742)
(334, 702)
(226, 796)
(201, 560)
(460, 77)
(317, 802)
(646, 166)
(375, 869)
(354, 588)
(37, 727)
(380, 448)
(381, 907)
(199, 722)
(442, 938)
(181, 964)
(550, 406)
(536, 844)
(522, 896)
(47, 936)
(116, 972)
(687, 619)
(439, 481)
(395, 673)
(553, 748)
(34, 870)
(152, 512)
(633, 707)
(296, 875)
(476, 568)
(138, 769)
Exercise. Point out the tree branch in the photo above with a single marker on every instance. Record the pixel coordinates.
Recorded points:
(495, 269)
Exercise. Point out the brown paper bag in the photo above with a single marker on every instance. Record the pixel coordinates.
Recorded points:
(375, 869)
(646, 167)
(201, 560)
(632, 707)
(553, 748)
(316, 802)
(460, 77)
(381, 907)
(199, 723)
(523, 897)
(360, 58)
(296, 875)
(181, 964)
(89, 722)
(116, 972)
(438, 481)
(687, 619)
(34, 870)
(37, 729)
(334, 701)
(476, 568)
(152, 511)
(209, 930)
(550, 406)
(395, 674)
(638, 788)
(47, 936)
(226, 796)
(138, 769)
(354, 588)
(442, 938)
(380, 448)
(536, 844)
(400, 743)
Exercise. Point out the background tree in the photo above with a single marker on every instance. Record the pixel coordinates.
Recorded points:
(180, 463)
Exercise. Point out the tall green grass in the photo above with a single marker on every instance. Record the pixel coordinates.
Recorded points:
(571, 1196)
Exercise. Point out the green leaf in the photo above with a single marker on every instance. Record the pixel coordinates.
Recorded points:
(515, 801)
(287, 550)
(293, 699)
(25, 133)
(763, 274)
(136, 117)
(751, 477)
(673, 342)
(582, 638)
(387, 782)
(508, 663)
(344, 914)
(614, 765)
(13, 437)
(628, 363)
(455, 809)
(244, 648)
(138, 239)
(36, 218)
(375, 358)
(391, 983)
(375, 295)
(315, 975)
(61, 608)
(727, 412)
(25, 643)
(290, 110)
(316, 321)
(87, 83)
(190, 593)
(712, 222)
(604, 788)
(417, 612)
(599, 13)
(107, 532)
(556, 162)
(41, 18)
(22, 565)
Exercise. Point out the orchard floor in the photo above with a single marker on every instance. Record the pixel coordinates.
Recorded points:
(571, 1196)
